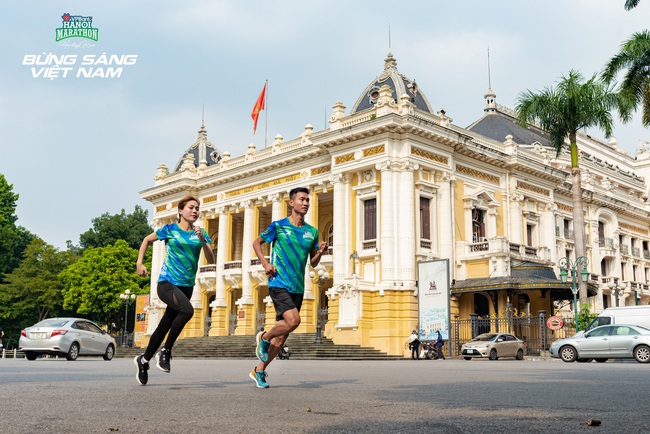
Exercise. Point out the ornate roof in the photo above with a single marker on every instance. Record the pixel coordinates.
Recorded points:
(201, 150)
(399, 83)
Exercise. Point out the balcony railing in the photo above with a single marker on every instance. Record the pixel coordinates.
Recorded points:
(369, 245)
(232, 265)
(625, 249)
(636, 251)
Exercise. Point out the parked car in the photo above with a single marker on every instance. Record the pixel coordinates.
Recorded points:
(620, 341)
(69, 337)
(493, 346)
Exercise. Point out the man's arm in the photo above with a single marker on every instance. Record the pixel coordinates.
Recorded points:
(316, 254)
(257, 248)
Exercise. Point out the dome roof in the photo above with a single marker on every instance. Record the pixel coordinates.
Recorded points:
(399, 83)
(201, 150)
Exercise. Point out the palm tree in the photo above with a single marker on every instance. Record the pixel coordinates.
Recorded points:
(635, 88)
(631, 4)
(562, 111)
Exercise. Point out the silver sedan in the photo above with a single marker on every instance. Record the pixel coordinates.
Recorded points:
(69, 337)
(493, 346)
(621, 341)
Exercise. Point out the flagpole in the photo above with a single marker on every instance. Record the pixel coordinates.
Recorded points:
(266, 113)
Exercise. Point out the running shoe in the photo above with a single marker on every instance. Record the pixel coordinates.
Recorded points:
(142, 376)
(259, 378)
(262, 349)
(163, 358)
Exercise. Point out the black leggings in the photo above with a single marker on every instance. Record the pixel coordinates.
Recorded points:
(178, 312)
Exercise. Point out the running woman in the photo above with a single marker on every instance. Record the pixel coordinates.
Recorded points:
(292, 240)
(184, 244)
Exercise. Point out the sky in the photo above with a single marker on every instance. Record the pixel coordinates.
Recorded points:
(75, 148)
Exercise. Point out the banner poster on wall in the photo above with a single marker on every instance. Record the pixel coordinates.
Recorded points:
(141, 302)
(433, 299)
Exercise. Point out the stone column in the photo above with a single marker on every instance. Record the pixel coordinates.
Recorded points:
(388, 223)
(341, 214)
(406, 228)
(219, 306)
(444, 216)
(516, 218)
(310, 219)
(247, 252)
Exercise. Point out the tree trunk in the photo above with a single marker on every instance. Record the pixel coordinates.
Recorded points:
(578, 215)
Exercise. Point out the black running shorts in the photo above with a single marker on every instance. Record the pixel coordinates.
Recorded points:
(283, 300)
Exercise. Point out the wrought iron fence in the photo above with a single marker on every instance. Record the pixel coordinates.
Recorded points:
(530, 328)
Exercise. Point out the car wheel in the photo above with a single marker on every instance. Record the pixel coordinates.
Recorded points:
(579, 360)
(31, 356)
(642, 354)
(601, 360)
(568, 354)
(493, 354)
(520, 354)
(467, 358)
(110, 352)
(74, 352)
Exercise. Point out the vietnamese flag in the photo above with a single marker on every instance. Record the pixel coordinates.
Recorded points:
(259, 106)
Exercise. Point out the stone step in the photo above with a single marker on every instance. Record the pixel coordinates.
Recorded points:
(302, 347)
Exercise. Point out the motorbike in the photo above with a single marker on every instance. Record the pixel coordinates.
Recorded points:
(429, 350)
(285, 353)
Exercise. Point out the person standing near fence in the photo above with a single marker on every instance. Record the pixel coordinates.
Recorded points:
(2, 335)
(176, 282)
(414, 345)
(439, 343)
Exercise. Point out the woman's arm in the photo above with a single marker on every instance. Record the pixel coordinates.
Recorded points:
(140, 268)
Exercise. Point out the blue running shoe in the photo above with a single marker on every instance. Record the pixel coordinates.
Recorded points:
(259, 378)
(262, 349)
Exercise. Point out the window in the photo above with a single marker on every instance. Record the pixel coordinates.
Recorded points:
(529, 235)
(478, 225)
(425, 218)
(370, 219)
(601, 234)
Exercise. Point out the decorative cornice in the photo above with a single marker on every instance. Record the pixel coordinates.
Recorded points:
(210, 199)
(633, 228)
(263, 185)
(374, 151)
(429, 155)
(161, 208)
(477, 174)
(566, 208)
(531, 187)
(321, 170)
(344, 159)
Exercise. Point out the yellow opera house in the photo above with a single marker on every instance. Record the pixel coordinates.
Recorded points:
(394, 183)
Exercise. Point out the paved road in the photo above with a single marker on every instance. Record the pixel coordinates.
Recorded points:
(450, 396)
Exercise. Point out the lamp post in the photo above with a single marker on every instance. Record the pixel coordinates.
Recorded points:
(616, 287)
(566, 265)
(323, 275)
(127, 297)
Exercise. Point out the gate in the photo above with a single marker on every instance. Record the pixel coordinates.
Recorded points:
(531, 329)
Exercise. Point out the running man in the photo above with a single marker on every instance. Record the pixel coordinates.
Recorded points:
(292, 241)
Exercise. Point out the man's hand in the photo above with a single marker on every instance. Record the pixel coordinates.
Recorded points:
(322, 247)
(269, 270)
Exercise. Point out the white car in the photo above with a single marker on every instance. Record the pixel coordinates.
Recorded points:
(69, 337)
(493, 346)
(620, 341)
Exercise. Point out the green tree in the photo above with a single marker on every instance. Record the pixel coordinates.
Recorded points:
(107, 229)
(13, 239)
(585, 317)
(92, 285)
(562, 111)
(32, 291)
(634, 90)
(631, 4)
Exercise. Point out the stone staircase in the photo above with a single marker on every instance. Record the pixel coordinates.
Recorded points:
(243, 347)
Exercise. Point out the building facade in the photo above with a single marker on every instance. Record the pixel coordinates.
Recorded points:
(393, 183)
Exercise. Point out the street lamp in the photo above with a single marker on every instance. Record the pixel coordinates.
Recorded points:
(565, 265)
(616, 287)
(127, 297)
(323, 275)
